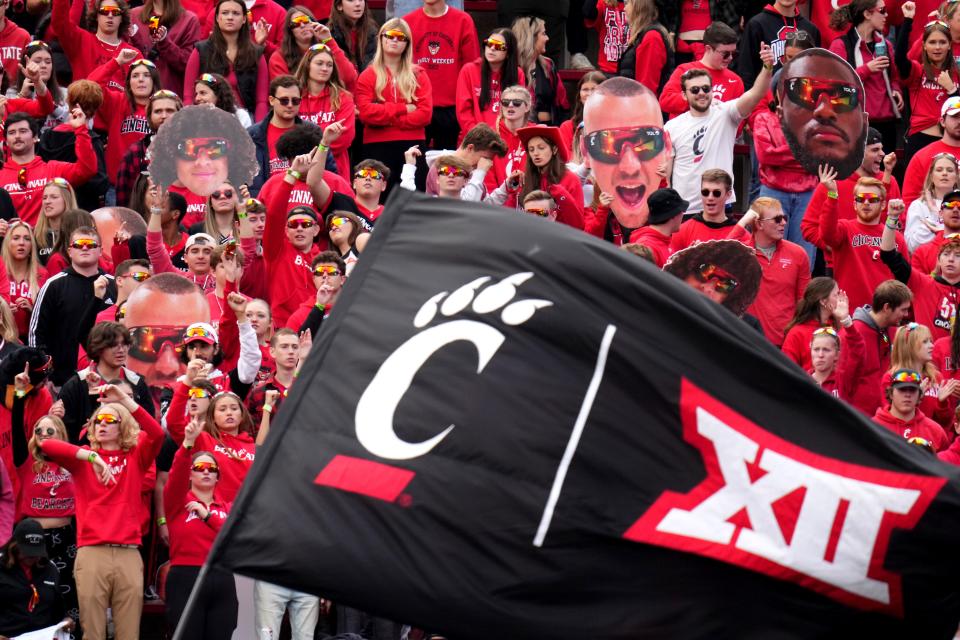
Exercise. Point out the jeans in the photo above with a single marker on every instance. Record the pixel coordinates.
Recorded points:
(794, 205)
(270, 601)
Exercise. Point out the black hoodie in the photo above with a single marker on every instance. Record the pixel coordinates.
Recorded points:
(771, 27)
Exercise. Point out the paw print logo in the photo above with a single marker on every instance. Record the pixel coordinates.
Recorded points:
(377, 405)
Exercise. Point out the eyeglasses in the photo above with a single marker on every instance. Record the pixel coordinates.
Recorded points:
(112, 13)
(300, 224)
(49, 431)
(826, 331)
(869, 198)
(607, 145)
(797, 36)
(107, 418)
(907, 376)
(146, 342)
(882, 11)
(537, 211)
(700, 88)
(191, 148)
(84, 243)
(777, 219)
(449, 171)
(226, 193)
(367, 172)
(288, 101)
(197, 392)
(395, 34)
(203, 465)
(144, 62)
(338, 221)
(319, 47)
(300, 20)
(809, 92)
(139, 276)
(496, 45)
(22, 177)
(323, 270)
(953, 204)
(515, 103)
(706, 193)
(723, 281)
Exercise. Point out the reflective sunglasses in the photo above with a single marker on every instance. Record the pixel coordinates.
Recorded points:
(826, 331)
(84, 243)
(144, 62)
(288, 101)
(204, 465)
(538, 211)
(338, 221)
(882, 11)
(448, 171)
(139, 276)
(496, 45)
(808, 93)
(191, 148)
(700, 88)
(147, 341)
(196, 332)
(208, 78)
(869, 198)
(907, 376)
(166, 93)
(723, 281)
(300, 20)
(226, 193)
(320, 47)
(953, 204)
(922, 442)
(706, 193)
(516, 103)
(395, 34)
(911, 326)
(367, 172)
(934, 23)
(299, 224)
(607, 145)
(60, 182)
(326, 270)
(36, 44)
(107, 418)
(777, 219)
(197, 392)
(112, 13)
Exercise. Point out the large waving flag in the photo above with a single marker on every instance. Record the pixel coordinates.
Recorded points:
(509, 429)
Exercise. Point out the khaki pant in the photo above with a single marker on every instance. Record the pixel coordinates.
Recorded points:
(109, 577)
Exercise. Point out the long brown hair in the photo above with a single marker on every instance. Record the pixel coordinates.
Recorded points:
(808, 307)
(553, 171)
(248, 54)
(334, 85)
(172, 11)
(289, 48)
(365, 28)
(246, 422)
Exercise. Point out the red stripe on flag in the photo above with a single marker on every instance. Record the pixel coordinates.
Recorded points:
(368, 478)
(835, 530)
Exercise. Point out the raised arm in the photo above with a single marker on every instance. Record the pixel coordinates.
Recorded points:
(749, 100)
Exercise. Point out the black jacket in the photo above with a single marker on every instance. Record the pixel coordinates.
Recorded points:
(63, 315)
(344, 40)
(15, 594)
(258, 133)
(770, 27)
(79, 405)
(627, 65)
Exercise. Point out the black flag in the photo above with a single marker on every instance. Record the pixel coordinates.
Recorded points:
(509, 429)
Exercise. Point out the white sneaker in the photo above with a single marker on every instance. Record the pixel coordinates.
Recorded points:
(579, 61)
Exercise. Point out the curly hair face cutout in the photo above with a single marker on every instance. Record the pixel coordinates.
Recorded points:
(200, 148)
(726, 271)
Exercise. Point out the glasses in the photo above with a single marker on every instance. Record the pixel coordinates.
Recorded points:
(496, 45)
(166, 93)
(226, 193)
(196, 332)
(107, 418)
(723, 282)
(882, 11)
(907, 376)
(319, 47)
(395, 35)
(826, 331)
(698, 89)
(22, 177)
(911, 326)
(40, 431)
(197, 392)
(338, 222)
(144, 62)
(537, 211)
(808, 93)
(366, 172)
(449, 171)
(111, 13)
(146, 342)
(191, 148)
(38, 44)
(953, 204)
(777, 219)
(299, 224)
(300, 20)
(204, 465)
(84, 244)
(288, 101)
(323, 270)
(726, 55)
(515, 103)
(706, 193)
(139, 276)
(869, 198)
(607, 145)
(797, 36)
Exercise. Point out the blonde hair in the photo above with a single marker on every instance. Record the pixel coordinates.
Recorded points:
(526, 29)
(70, 202)
(906, 343)
(406, 79)
(9, 330)
(33, 261)
(129, 428)
(516, 88)
(928, 181)
(33, 446)
(643, 14)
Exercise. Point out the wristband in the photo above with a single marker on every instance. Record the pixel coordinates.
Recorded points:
(296, 174)
(768, 67)
(322, 148)
(20, 393)
(321, 306)
(833, 194)
(268, 408)
(93, 456)
(326, 40)
(161, 521)
(846, 322)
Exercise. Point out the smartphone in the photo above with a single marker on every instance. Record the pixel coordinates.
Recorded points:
(154, 24)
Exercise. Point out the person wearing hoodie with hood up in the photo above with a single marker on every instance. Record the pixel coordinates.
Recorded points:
(891, 304)
(901, 415)
(771, 26)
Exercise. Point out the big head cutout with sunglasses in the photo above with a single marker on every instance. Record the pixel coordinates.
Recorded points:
(624, 144)
(821, 110)
(200, 148)
(726, 271)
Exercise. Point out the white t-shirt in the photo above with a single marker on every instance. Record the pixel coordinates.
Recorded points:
(700, 144)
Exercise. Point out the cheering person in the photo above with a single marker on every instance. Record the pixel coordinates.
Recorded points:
(326, 99)
(481, 81)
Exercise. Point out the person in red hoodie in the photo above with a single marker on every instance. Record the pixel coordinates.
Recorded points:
(481, 81)
(369, 182)
(195, 511)
(98, 41)
(666, 213)
(13, 39)
(302, 31)
(720, 48)
(443, 40)
(901, 415)
(554, 204)
(713, 223)
(836, 370)
(949, 142)
(329, 276)
(165, 32)
(814, 310)
(25, 174)
(107, 475)
(515, 105)
(786, 271)
(394, 99)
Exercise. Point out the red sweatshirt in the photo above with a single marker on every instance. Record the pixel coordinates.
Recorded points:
(48, 493)
(943, 359)
(319, 110)
(287, 268)
(651, 56)
(277, 66)
(126, 125)
(778, 168)
(919, 426)
(441, 46)
(469, 113)
(37, 405)
(727, 86)
(196, 206)
(516, 158)
(651, 238)
(842, 381)
(934, 302)
(234, 456)
(85, 50)
(612, 31)
(926, 98)
(569, 198)
(20, 289)
(696, 229)
(924, 259)
(878, 104)
(876, 361)
(919, 165)
(386, 119)
(27, 199)
(796, 344)
(856, 251)
(300, 195)
(269, 10)
(930, 405)
(110, 514)
(12, 41)
(190, 537)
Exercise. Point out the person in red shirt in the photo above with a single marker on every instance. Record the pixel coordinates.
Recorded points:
(265, 14)
(195, 512)
(713, 223)
(647, 53)
(545, 167)
(481, 81)
(784, 264)
(912, 348)
(124, 442)
(902, 416)
(515, 105)
(720, 47)
(369, 182)
(554, 204)
(924, 259)
(666, 213)
(98, 41)
(949, 143)
(285, 102)
(301, 32)
(23, 273)
(25, 174)
(609, 18)
(855, 243)
(443, 40)
(572, 130)
(815, 309)
(835, 370)
(329, 276)
(13, 39)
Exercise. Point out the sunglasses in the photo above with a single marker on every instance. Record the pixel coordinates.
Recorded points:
(208, 78)
(112, 13)
(701, 88)
(203, 465)
(196, 332)
(107, 418)
(139, 276)
(226, 193)
(809, 92)
(911, 326)
(934, 23)
(516, 103)
(448, 171)
(144, 62)
(289, 101)
(191, 148)
(300, 224)
(84, 243)
(147, 341)
(395, 34)
(36, 44)
(727, 55)
(60, 182)
(826, 331)
(706, 193)
(607, 145)
(166, 93)
(537, 211)
(319, 47)
(953, 204)
(882, 11)
(197, 392)
(777, 219)
(300, 20)
(496, 45)
(373, 174)
(869, 198)
(326, 270)
(49, 431)
(723, 282)
(907, 376)
(338, 221)
(22, 177)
